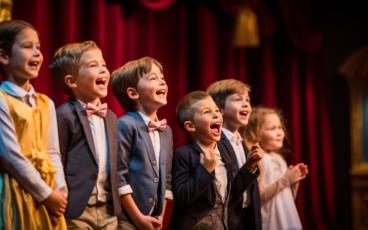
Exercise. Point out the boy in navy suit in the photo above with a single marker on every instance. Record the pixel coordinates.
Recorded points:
(232, 98)
(144, 144)
(204, 187)
(87, 137)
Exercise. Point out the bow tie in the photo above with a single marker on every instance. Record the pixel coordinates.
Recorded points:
(98, 110)
(157, 125)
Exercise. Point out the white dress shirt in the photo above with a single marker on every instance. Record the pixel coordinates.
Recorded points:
(10, 155)
(236, 142)
(155, 138)
(99, 139)
(220, 175)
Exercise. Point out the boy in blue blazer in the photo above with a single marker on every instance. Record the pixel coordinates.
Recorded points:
(203, 186)
(87, 137)
(232, 98)
(144, 144)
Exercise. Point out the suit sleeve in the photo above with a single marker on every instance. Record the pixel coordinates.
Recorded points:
(125, 140)
(63, 131)
(188, 186)
(241, 182)
(169, 194)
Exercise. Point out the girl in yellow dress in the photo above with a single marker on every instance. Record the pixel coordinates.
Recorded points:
(32, 185)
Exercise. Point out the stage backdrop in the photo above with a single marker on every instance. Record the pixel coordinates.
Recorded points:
(193, 41)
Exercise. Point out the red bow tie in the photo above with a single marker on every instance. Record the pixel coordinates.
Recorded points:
(160, 125)
(98, 110)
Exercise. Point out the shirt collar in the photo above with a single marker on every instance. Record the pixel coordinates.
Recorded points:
(16, 91)
(84, 104)
(229, 135)
(145, 118)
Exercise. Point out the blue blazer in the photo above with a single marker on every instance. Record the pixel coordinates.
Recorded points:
(137, 163)
(250, 217)
(194, 188)
(78, 155)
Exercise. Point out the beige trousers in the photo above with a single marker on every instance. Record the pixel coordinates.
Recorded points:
(97, 216)
(125, 225)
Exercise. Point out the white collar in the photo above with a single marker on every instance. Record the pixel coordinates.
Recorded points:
(229, 135)
(145, 118)
(16, 91)
(84, 104)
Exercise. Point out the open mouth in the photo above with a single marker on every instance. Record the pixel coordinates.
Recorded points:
(101, 82)
(33, 65)
(244, 114)
(216, 128)
(161, 92)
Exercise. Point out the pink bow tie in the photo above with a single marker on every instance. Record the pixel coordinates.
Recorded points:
(98, 110)
(160, 125)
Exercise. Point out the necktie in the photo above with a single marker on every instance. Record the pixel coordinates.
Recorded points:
(160, 125)
(98, 110)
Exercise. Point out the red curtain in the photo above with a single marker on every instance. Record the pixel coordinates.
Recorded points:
(192, 39)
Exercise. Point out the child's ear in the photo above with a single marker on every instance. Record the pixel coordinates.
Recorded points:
(70, 81)
(4, 58)
(189, 126)
(132, 93)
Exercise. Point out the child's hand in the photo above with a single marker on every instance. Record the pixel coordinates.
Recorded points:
(255, 155)
(304, 168)
(209, 160)
(149, 223)
(294, 173)
(159, 218)
(56, 203)
(54, 219)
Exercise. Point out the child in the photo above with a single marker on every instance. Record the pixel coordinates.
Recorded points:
(144, 144)
(32, 185)
(87, 137)
(278, 184)
(232, 98)
(204, 188)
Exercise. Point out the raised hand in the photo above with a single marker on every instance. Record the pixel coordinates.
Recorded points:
(209, 160)
(294, 173)
(304, 168)
(255, 155)
(56, 203)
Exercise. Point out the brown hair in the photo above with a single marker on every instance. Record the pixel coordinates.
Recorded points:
(185, 109)
(8, 32)
(251, 133)
(220, 90)
(128, 76)
(66, 61)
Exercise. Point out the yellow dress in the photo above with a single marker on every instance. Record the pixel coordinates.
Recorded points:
(18, 208)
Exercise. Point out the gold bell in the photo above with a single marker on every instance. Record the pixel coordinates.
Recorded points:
(246, 29)
(5, 9)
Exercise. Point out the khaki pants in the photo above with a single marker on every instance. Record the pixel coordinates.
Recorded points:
(125, 225)
(97, 216)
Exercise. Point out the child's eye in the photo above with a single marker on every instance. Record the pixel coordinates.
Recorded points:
(163, 79)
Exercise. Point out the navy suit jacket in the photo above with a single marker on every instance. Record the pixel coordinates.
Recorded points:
(249, 218)
(137, 164)
(194, 187)
(78, 155)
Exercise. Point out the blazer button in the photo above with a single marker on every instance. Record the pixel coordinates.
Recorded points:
(155, 180)
(154, 162)
(94, 175)
(150, 200)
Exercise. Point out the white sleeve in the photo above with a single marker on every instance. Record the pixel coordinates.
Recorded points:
(13, 160)
(54, 151)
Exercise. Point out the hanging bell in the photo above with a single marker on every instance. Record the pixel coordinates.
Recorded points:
(5, 9)
(246, 29)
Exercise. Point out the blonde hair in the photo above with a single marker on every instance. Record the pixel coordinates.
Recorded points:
(128, 76)
(66, 61)
(220, 90)
(251, 133)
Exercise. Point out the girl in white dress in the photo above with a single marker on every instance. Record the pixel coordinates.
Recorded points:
(278, 184)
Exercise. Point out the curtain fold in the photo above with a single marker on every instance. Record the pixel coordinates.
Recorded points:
(193, 41)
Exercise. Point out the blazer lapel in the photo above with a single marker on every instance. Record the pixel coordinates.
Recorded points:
(245, 150)
(143, 131)
(82, 114)
(225, 146)
(110, 139)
